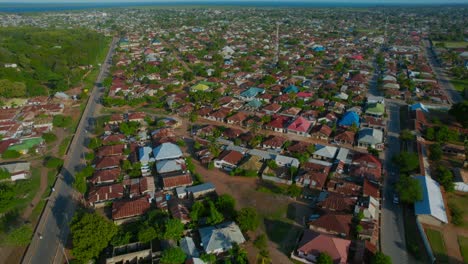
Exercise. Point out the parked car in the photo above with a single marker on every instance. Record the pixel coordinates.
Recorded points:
(396, 200)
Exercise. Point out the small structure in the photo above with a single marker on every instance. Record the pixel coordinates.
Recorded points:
(17, 170)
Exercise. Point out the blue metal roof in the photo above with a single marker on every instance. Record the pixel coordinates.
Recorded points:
(349, 118)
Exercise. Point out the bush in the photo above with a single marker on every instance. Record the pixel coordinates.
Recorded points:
(49, 137)
(11, 154)
(62, 121)
(53, 162)
(20, 236)
(173, 256)
(248, 219)
(456, 213)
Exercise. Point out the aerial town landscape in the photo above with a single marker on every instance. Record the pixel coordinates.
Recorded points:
(234, 133)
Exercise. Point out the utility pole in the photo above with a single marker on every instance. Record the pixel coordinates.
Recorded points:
(277, 44)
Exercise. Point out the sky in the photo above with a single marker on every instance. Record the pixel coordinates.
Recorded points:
(226, 1)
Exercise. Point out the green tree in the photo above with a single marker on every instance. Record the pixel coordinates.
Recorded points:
(227, 205)
(129, 128)
(435, 152)
(208, 258)
(49, 137)
(147, 234)
(95, 143)
(248, 219)
(406, 135)
(409, 189)
(430, 133)
(53, 162)
(381, 258)
(10, 154)
(174, 229)
(324, 258)
(293, 190)
(459, 111)
(406, 161)
(214, 216)
(20, 236)
(445, 178)
(198, 210)
(173, 255)
(61, 121)
(4, 174)
(91, 233)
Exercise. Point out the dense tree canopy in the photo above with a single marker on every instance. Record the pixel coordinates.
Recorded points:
(459, 111)
(409, 189)
(173, 255)
(324, 258)
(381, 258)
(406, 161)
(91, 233)
(47, 60)
(247, 219)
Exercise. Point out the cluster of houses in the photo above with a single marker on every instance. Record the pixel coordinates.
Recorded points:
(163, 181)
(23, 120)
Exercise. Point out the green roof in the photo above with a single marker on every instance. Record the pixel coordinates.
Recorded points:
(200, 87)
(375, 109)
(26, 144)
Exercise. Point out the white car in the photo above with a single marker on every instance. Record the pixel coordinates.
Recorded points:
(396, 200)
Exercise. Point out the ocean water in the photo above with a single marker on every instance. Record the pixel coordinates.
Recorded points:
(50, 7)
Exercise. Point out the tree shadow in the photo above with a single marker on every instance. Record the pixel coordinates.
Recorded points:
(282, 233)
(66, 176)
(63, 216)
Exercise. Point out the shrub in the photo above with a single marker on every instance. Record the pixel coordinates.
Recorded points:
(11, 154)
(49, 137)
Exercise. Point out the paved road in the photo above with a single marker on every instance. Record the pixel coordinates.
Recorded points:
(54, 223)
(392, 231)
(453, 95)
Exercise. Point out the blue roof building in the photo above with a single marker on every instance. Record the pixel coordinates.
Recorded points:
(417, 106)
(318, 48)
(167, 151)
(349, 119)
(252, 92)
(255, 103)
(432, 206)
(291, 89)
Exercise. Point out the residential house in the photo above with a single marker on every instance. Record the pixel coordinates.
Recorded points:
(314, 243)
(105, 176)
(313, 174)
(195, 191)
(218, 239)
(327, 153)
(167, 151)
(179, 210)
(337, 203)
(274, 142)
(278, 123)
(345, 137)
(237, 118)
(98, 195)
(106, 163)
(300, 126)
(370, 137)
(272, 109)
(322, 132)
(366, 166)
(228, 159)
(17, 170)
(349, 119)
(333, 224)
(251, 93)
(125, 211)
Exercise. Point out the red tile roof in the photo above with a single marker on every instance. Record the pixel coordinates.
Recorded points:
(105, 176)
(170, 182)
(300, 125)
(105, 193)
(370, 189)
(130, 208)
(231, 156)
(108, 162)
(112, 150)
(337, 202)
(333, 223)
(313, 243)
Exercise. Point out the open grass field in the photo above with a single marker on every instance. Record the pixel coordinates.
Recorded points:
(463, 242)
(438, 246)
(460, 200)
(64, 145)
(453, 44)
(460, 85)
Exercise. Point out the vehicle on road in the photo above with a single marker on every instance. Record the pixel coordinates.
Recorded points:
(396, 199)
